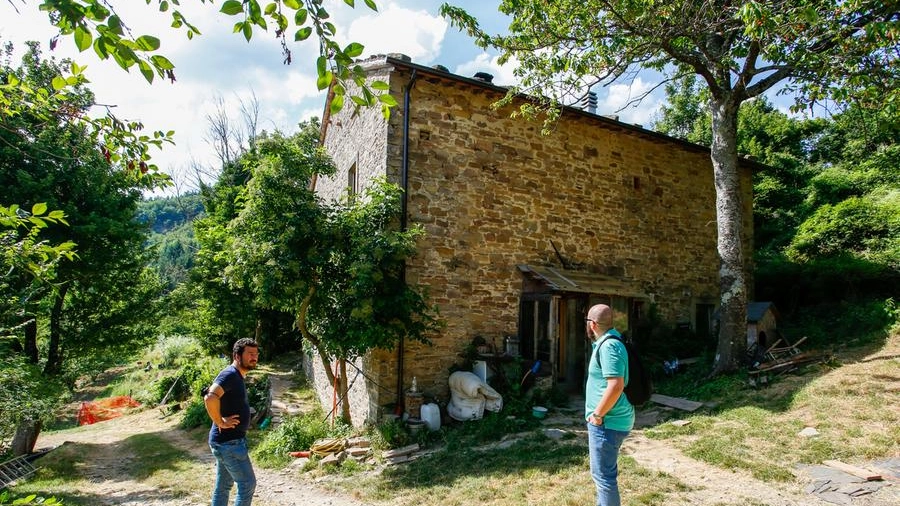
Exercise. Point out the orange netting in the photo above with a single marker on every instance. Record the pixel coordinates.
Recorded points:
(104, 409)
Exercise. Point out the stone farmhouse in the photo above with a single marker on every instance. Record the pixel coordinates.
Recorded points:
(524, 231)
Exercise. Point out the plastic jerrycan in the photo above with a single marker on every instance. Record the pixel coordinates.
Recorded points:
(431, 415)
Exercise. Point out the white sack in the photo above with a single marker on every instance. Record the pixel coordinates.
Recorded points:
(469, 397)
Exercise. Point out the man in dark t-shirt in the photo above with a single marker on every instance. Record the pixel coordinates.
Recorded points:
(228, 408)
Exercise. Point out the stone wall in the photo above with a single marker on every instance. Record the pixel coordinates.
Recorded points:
(491, 192)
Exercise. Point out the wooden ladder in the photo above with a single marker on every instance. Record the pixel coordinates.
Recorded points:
(14, 470)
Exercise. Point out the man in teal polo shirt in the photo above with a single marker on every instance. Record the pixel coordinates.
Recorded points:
(608, 413)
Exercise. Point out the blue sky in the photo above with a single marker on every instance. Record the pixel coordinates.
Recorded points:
(220, 65)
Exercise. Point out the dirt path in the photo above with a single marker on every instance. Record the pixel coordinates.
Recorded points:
(108, 480)
(709, 484)
(116, 488)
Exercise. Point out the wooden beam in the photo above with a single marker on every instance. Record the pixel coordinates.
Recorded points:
(675, 402)
(859, 472)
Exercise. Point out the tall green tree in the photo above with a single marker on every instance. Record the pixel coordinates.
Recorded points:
(27, 270)
(226, 309)
(337, 267)
(819, 49)
(46, 158)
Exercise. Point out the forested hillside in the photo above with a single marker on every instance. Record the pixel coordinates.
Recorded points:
(171, 242)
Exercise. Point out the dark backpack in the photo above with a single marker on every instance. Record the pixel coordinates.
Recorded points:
(639, 387)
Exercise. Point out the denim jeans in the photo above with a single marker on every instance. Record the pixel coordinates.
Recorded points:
(603, 448)
(233, 466)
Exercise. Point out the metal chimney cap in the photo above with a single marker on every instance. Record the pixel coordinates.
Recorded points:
(484, 76)
(400, 56)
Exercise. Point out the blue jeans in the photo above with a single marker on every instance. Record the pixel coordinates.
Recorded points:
(603, 448)
(233, 466)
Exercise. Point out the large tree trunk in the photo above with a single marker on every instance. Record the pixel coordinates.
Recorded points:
(344, 393)
(31, 350)
(729, 216)
(26, 436)
(54, 355)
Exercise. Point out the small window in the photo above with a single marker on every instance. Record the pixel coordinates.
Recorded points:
(352, 181)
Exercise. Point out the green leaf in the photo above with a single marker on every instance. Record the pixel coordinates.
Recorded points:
(354, 49)
(300, 17)
(248, 31)
(83, 38)
(388, 100)
(147, 43)
(370, 98)
(38, 209)
(321, 65)
(232, 7)
(292, 4)
(161, 62)
(303, 33)
(359, 101)
(349, 2)
(386, 112)
(115, 24)
(380, 86)
(324, 80)
(146, 70)
(100, 47)
(255, 11)
(271, 8)
(337, 103)
(58, 83)
(163, 6)
(371, 5)
(37, 222)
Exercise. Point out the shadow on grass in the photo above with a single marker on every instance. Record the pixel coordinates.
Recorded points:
(526, 455)
(137, 458)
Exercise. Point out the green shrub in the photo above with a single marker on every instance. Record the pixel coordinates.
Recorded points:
(296, 433)
(174, 351)
(194, 414)
(389, 434)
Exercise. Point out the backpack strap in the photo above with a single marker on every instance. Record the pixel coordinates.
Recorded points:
(597, 353)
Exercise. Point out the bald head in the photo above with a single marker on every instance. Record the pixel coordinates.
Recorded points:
(602, 315)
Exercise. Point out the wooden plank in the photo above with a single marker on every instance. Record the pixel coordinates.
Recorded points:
(859, 472)
(797, 359)
(676, 402)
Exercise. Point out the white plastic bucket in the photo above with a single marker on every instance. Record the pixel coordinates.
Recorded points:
(431, 415)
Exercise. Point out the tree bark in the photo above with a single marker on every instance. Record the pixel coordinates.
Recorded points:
(732, 342)
(345, 400)
(31, 350)
(26, 436)
(54, 355)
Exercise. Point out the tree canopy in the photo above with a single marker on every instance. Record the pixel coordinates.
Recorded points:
(337, 267)
(45, 158)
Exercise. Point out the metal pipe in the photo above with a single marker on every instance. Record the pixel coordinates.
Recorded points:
(404, 183)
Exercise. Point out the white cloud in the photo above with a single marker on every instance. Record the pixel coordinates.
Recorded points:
(395, 29)
(617, 97)
(503, 74)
